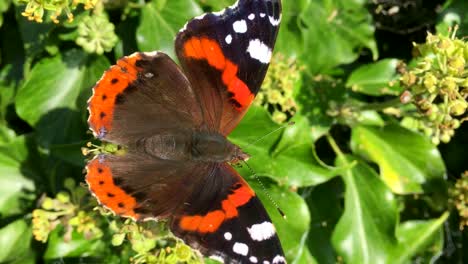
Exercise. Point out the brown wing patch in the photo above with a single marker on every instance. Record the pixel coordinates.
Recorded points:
(106, 92)
(102, 185)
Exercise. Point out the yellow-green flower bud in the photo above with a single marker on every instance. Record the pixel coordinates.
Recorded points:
(448, 84)
(458, 107)
(456, 65)
(63, 197)
(445, 137)
(409, 78)
(430, 82)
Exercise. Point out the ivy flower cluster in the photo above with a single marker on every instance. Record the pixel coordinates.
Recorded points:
(35, 9)
(438, 85)
(96, 34)
(278, 88)
(459, 199)
(71, 211)
(152, 243)
(61, 211)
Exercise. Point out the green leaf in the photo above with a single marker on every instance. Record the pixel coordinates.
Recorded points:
(407, 160)
(161, 21)
(365, 232)
(293, 230)
(35, 36)
(216, 5)
(78, 246)
(375, 78)
(292, 164)
(417, 235)
(325, 205)
(4, 5)
(53, 83)
(15, 176)
(15, 240)
(289, 40)
(315, 99)
(333, 32)
(54, 95)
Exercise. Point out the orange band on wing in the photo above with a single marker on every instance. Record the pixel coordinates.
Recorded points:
(101, 184)
(210, 222)
(209, 50)
(112, 83)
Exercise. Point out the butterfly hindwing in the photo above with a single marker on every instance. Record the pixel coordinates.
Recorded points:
(139, 186)
(233, 227)
(226, 55)
(142, 95)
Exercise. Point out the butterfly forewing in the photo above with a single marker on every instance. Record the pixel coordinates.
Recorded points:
(226, 55)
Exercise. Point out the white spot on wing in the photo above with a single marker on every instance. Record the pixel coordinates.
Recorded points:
(253, 259)
(279, 259)
(251, 16)
(227, 236)
(266, 262)
(262, 14)
(240, 26)
(263, 231)
(273, 21)
(259, 51)
(228, 39)
(240, 248)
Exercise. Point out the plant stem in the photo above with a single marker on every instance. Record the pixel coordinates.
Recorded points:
(334, 146)
(381, 105)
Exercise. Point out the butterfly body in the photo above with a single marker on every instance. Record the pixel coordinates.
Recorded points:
(174, 121)
(189, 145)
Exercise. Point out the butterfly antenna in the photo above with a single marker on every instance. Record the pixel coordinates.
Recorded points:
(266, 191)
(274, 131)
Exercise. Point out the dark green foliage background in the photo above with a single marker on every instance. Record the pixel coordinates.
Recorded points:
(383, 201)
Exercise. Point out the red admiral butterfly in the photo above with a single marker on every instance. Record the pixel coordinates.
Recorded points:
(174, 123)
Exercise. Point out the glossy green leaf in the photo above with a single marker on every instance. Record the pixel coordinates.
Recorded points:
(289, 41)
(333, 32)
(292, 164)
(407, 160)
(35, 36)
(78, 246)
(15, 240)
(15, 176)
(292, 233)
(418, 235)
(315, 99)
(216, 5)
(53, 83)
(161, 21)
(54, 95)
(366, 230)
(375, 78)
(325, 205)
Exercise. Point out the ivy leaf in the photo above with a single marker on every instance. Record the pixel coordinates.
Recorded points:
(333, 32)
(78, 246)
(292, 233)
(417, 235)
(16, 174)
(292, 164)
(325, 205)
(374, 79)
(51, 98)
(407, 160)
(161, 21)
(366, 231)
(15, 241)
